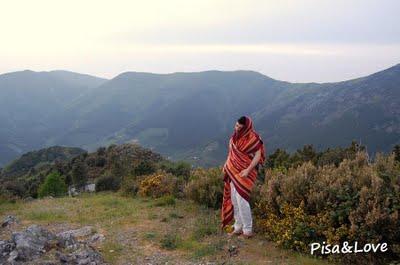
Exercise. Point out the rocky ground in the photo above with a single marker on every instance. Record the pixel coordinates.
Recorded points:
(107, 228)
(37, 245)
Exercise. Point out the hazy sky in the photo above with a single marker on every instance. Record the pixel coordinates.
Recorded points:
(298, 41)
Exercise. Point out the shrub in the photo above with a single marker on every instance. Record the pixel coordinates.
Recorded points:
(107, 182)
(356, 201)
(158, 184)
(130, 186)
(170, 241)
(15, 188)
(144, 168)
(180, 169)
(281, 159)
(53, 185)
(396, 151)
(100, 161)
(165, 200)
(206, 187)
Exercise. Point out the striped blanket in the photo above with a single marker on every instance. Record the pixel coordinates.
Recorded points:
(242, 147)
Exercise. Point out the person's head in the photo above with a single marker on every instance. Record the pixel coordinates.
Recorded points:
(240, 123)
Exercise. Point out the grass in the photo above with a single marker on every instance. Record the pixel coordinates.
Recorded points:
(165, 201)
(111, 251)
(208, 250)
(170, 241)
(205, 227)
(150, 235)
(136, 228)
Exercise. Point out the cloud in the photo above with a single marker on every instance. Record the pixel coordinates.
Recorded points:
(289, 40)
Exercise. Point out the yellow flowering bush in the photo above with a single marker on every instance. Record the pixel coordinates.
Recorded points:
(158, 184)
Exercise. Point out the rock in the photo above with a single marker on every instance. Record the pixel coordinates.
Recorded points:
(83, 256)
(66, 239)
(32, 242)
(13, 256)
(81, 232)
(90, 187)
(29, 199)
(6, 247)
(72, 191)
(35, 242)
(9, 220)
(96, 238)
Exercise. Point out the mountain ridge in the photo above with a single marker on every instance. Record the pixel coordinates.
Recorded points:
(193, 113)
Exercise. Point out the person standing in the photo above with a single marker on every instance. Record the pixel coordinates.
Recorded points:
(246, 153)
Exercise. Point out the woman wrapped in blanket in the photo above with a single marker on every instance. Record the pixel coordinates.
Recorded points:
(246, 153)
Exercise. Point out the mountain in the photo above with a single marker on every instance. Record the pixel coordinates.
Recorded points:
(32, 104)
(191, 115)
(159, 110)
(365, 109)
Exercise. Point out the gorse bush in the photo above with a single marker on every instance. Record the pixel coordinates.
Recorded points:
(158, 184)
(206, 187)
(354, 201)
(54, 185)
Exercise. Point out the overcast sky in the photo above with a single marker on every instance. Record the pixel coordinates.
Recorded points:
(297, 41)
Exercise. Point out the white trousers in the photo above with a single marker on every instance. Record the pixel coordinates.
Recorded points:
(241, 212)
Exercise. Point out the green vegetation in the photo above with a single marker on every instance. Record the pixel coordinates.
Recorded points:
(79, 174)
(107, 182)
(335, 195)
(358, 200)
(205, 187)
(54, 185)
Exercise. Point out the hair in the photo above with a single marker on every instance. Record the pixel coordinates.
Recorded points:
(242, 120)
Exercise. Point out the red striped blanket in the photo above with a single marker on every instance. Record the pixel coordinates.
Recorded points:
(242, 147)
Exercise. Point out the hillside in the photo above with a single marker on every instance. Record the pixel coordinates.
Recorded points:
(167, 211)
(190, 116)
(37, 158)
(31, 107)
(22, 177)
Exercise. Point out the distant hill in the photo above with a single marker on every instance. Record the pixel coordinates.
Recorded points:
(191, 115)
(33, 159)
(23, 176)
(31, 107)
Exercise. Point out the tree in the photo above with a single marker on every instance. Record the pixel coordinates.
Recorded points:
(53, 185)
(144, 168)
(79, 174)
(396, 151)
(280, 158)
